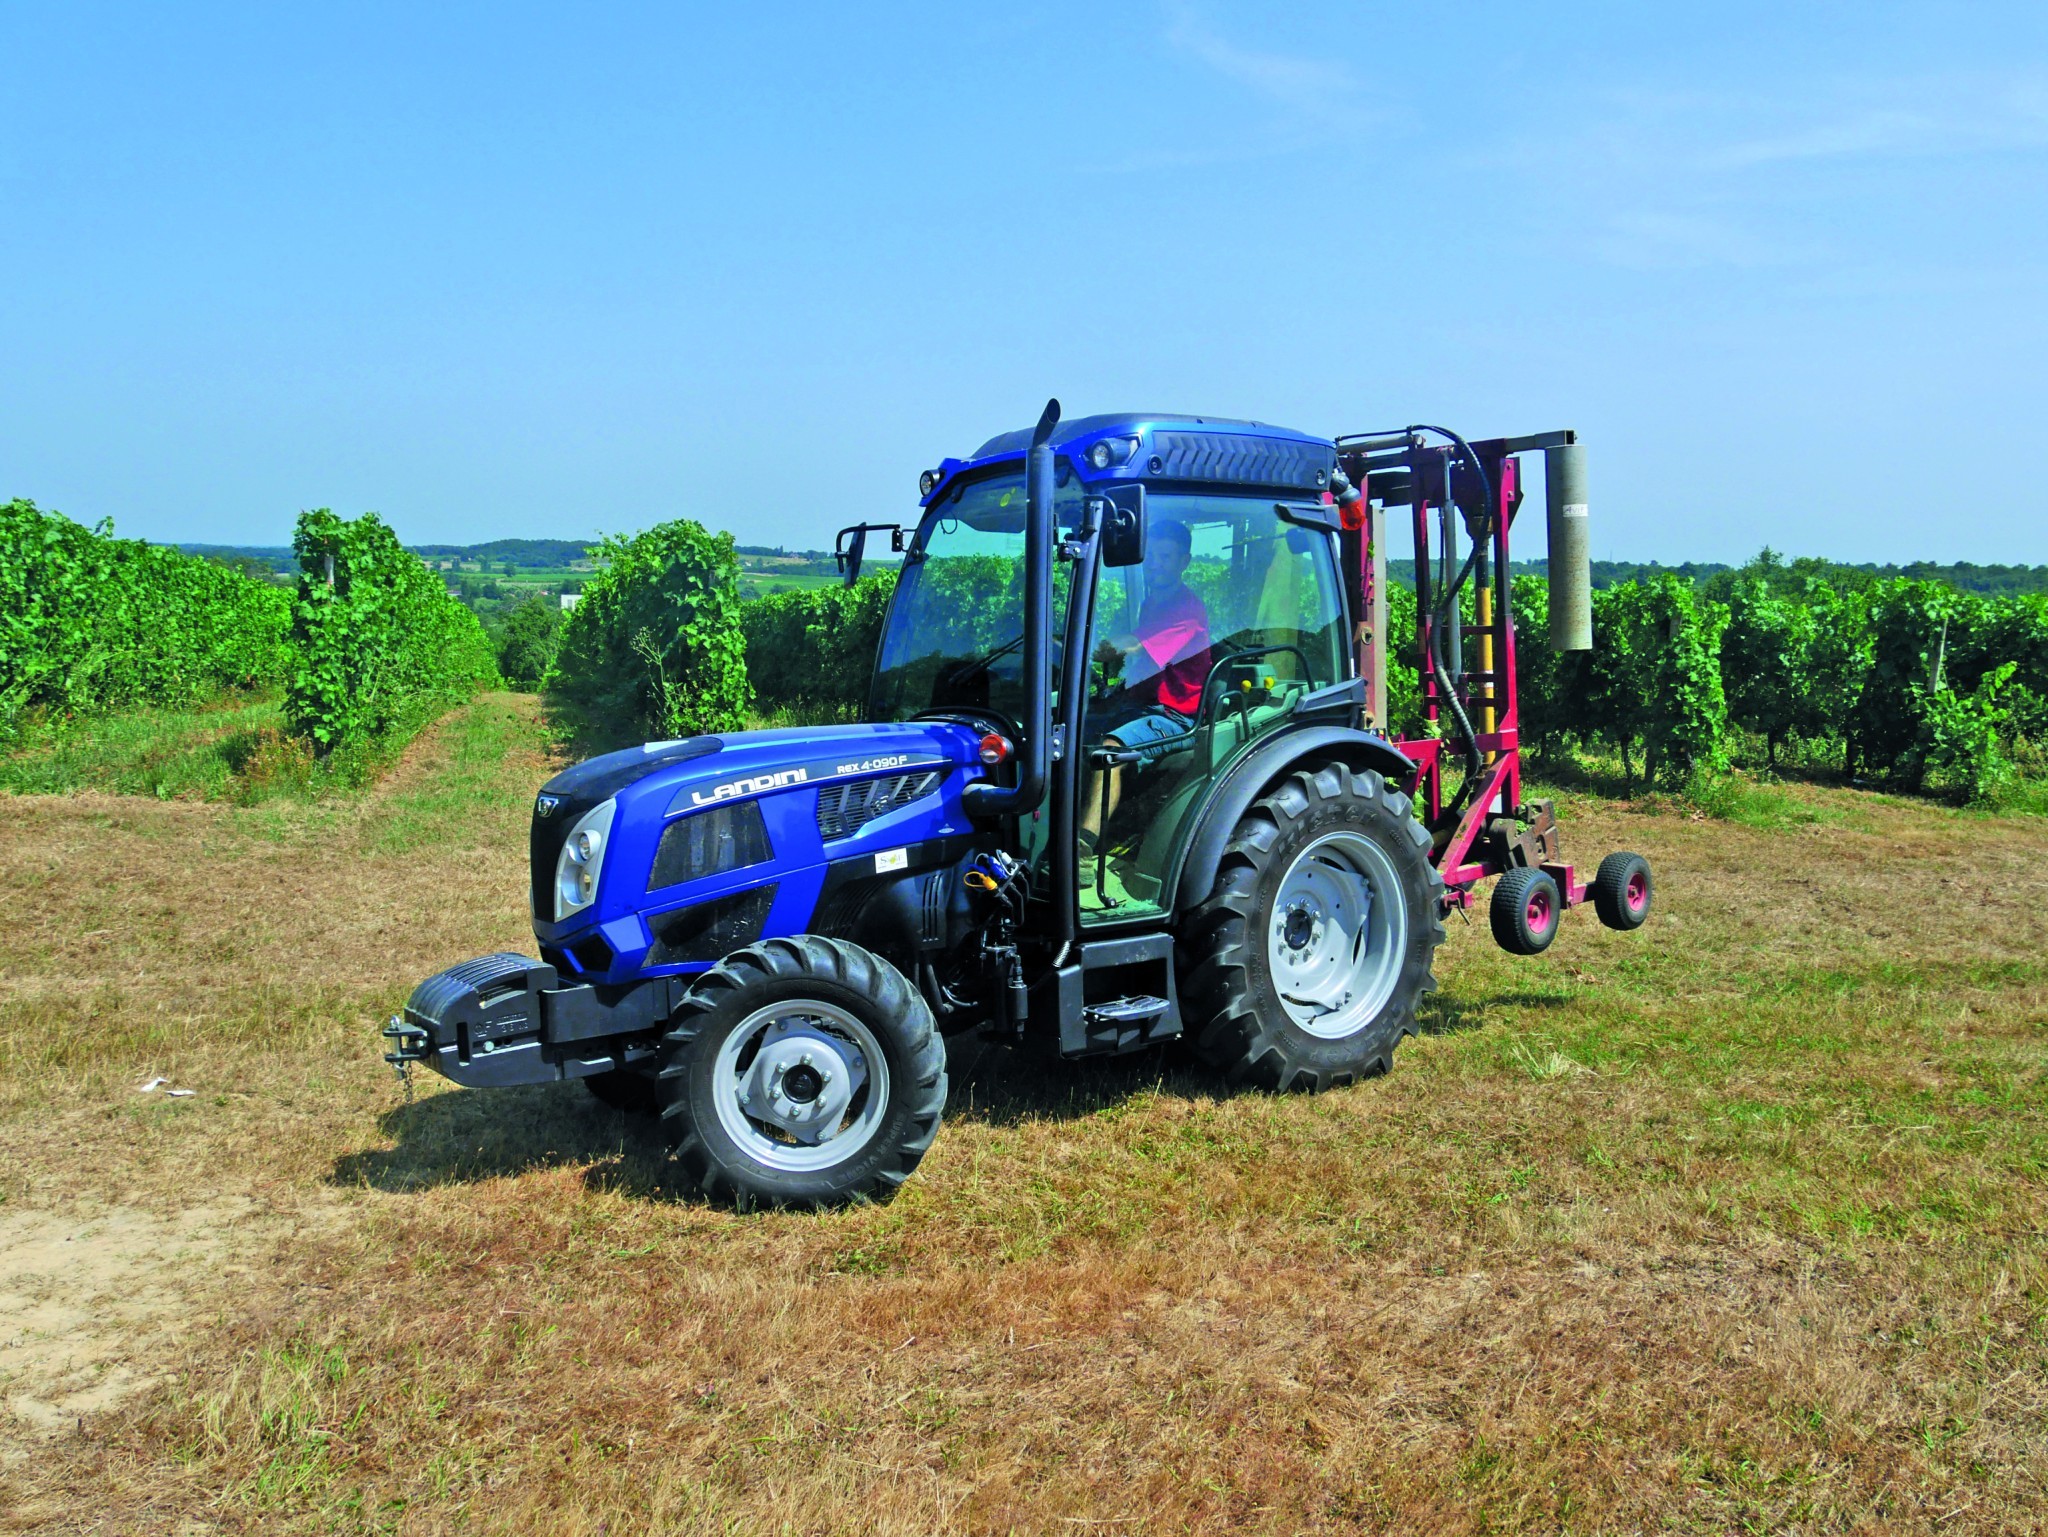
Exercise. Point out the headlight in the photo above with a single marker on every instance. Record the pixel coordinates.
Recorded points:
(582, 860)
(1107, 451)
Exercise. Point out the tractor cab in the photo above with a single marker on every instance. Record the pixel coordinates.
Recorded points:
(1196, 581)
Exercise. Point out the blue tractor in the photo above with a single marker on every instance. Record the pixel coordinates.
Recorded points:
(1126, 780)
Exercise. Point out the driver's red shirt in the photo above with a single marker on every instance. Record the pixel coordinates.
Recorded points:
(1173, 632)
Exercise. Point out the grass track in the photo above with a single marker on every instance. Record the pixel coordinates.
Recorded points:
(189, 753)
(1732, 1224)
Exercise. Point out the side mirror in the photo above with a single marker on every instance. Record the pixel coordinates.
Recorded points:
(1316, 515)
(853, 544)
(847, 553)
(1123, 525)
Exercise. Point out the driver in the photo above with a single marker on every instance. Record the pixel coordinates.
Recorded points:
(1165, 665)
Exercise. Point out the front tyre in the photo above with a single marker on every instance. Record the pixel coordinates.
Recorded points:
(801, 1072)
(1317, 938)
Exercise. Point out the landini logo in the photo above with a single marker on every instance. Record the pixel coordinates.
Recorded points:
(752, 786)
(544, 805)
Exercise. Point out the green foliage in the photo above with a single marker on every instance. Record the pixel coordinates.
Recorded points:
(1908, 624)
(654, 649)
(379, 646)
(1960, 734)
(89, 621)
(1539, 676)
(1653, 677)
(527, 643)
(1767, 662)
(1918, 683)
(1404, 662)
(812, 654)
(1686, 730)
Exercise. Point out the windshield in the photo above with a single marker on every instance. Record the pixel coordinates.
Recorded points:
(956, 624)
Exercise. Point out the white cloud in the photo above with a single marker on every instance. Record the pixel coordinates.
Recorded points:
(1683, 178)
(1927, 118)
(1306, 89)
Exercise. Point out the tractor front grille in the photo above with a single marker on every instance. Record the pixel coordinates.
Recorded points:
(844, 809)
(709, 843)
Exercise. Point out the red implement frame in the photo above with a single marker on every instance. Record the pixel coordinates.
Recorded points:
(1396, 470)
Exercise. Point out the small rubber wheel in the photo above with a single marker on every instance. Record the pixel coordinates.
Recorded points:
(801, 1072)
(1621, 891)
(1524, 911)
(628, 1090)
(1303, 966)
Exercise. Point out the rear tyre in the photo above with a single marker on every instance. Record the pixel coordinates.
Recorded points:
(1524, 912)
(1317, 938)
(628, 1090)
(1621, 891)
(801, 1072)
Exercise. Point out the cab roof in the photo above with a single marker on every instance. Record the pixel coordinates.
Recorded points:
(1162, 446)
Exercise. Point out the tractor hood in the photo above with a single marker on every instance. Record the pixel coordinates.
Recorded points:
(787, 803)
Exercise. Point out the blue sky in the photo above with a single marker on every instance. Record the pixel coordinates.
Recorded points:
(553, 270)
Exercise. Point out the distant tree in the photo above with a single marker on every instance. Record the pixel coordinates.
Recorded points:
(528, 641)
(511, 569)
(252, 566)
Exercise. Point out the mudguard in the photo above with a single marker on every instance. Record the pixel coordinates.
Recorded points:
(1269, 762)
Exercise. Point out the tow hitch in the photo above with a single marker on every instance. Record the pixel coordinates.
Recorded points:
(409, 1044)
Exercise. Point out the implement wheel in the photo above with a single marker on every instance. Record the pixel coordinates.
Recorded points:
(1317, 938)
(1621, 891)
(801, 1072)
(1524, 911)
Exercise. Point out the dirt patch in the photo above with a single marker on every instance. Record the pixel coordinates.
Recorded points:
(91, 1299)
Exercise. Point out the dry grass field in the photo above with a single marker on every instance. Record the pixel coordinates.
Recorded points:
(1734, 1224)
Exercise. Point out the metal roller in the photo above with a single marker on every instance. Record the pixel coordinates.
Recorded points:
(1571, 549)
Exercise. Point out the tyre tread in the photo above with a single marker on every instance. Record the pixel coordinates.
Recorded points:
(1217, 996)
(789, 958)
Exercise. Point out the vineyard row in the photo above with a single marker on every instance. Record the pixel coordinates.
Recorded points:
(370, 644)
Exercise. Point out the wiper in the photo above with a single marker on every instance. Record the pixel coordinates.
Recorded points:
(967, 671)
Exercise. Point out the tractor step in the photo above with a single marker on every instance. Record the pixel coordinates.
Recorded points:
(1141, 1010)
(1127, 1024)
(1119, 998)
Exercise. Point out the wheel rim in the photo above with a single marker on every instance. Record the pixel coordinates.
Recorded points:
(1638, 891)
(800, 1086)
(1538, 909)
(1339, 935)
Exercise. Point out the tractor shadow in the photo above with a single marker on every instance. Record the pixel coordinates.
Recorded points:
(468, 1136)
(1005, 1086)
(465, 1136)
(1444, 1014)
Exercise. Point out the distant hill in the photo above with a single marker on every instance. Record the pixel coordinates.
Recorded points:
(276, 557)
(524, 554)
(557, 554)
(537, 554)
